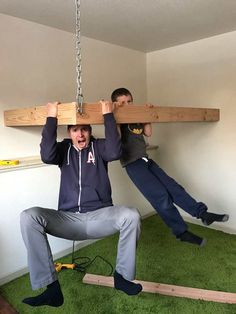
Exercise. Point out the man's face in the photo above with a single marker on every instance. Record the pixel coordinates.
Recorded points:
(125, 100)
(80, 135)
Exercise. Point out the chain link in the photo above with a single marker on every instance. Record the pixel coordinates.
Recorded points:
(79, 93)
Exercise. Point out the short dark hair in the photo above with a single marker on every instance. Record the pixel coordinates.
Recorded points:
(71, 125)
(120, 92)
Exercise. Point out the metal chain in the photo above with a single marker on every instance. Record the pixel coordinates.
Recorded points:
(79, 94)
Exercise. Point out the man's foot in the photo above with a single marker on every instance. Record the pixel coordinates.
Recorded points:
(208, 218)
(51, 297)
(126, 286)
(191, 238)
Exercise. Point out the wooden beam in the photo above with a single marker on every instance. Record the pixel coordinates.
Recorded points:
(36, 115)
(5, 308)
(92, 114)
(143, 113)
(171, 290)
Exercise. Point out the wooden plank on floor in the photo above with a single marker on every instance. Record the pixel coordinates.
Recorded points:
(92, 114)
(6, 308)
(170, 290)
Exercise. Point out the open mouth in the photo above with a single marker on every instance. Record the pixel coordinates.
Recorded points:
(83, 141)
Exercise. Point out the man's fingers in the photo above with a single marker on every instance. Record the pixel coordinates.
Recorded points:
(107, 106)
(52, 108)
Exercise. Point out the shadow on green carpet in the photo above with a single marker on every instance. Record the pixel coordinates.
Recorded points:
(160, 258)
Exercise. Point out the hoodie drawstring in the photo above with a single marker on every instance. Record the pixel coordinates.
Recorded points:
(93, 154)
(68, 155)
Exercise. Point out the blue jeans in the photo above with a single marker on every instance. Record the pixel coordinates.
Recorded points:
(163, 192)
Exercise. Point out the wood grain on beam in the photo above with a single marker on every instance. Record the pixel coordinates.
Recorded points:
(34, 116)
(171, 290)
(92, 114)
(143, 113)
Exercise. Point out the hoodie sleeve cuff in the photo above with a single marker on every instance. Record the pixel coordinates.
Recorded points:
(109, 117)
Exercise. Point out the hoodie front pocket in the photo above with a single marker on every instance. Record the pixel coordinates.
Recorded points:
(90, 197)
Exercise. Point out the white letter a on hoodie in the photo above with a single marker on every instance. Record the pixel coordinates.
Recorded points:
(90, 158)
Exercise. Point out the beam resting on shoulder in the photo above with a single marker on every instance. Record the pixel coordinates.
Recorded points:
(92, 114)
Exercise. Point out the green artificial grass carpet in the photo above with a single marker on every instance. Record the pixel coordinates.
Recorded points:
(160, 258)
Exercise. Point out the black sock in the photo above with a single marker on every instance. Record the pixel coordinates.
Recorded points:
(191, 238)
(52, 296)
(208, 218)
(126, 286)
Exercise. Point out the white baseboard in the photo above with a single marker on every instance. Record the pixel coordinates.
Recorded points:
(25, 270)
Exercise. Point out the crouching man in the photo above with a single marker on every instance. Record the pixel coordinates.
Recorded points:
(85, 209)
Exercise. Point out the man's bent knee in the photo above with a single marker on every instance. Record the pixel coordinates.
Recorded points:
(28, 214)
(131, 214)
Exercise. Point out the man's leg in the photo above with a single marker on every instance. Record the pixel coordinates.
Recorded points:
(109, 220)
(35, 223)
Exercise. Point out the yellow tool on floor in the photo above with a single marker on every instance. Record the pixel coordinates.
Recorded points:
(9, 162)
(60, 266)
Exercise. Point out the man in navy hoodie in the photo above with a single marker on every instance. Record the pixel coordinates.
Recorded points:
(85, 208)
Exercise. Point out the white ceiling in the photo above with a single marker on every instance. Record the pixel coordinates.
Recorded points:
(144, 25)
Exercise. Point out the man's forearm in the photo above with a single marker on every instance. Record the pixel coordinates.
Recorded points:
(48, 145)
(113, 142)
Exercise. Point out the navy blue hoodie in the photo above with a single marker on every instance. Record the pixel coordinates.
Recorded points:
(85, 184)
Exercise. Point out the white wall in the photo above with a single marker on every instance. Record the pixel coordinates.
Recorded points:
(201, 156)
(37, 65)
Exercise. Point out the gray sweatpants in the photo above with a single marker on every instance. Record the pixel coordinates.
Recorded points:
(36, 222)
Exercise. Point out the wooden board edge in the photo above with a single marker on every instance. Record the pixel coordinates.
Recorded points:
(167, 289)
(5, 307)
